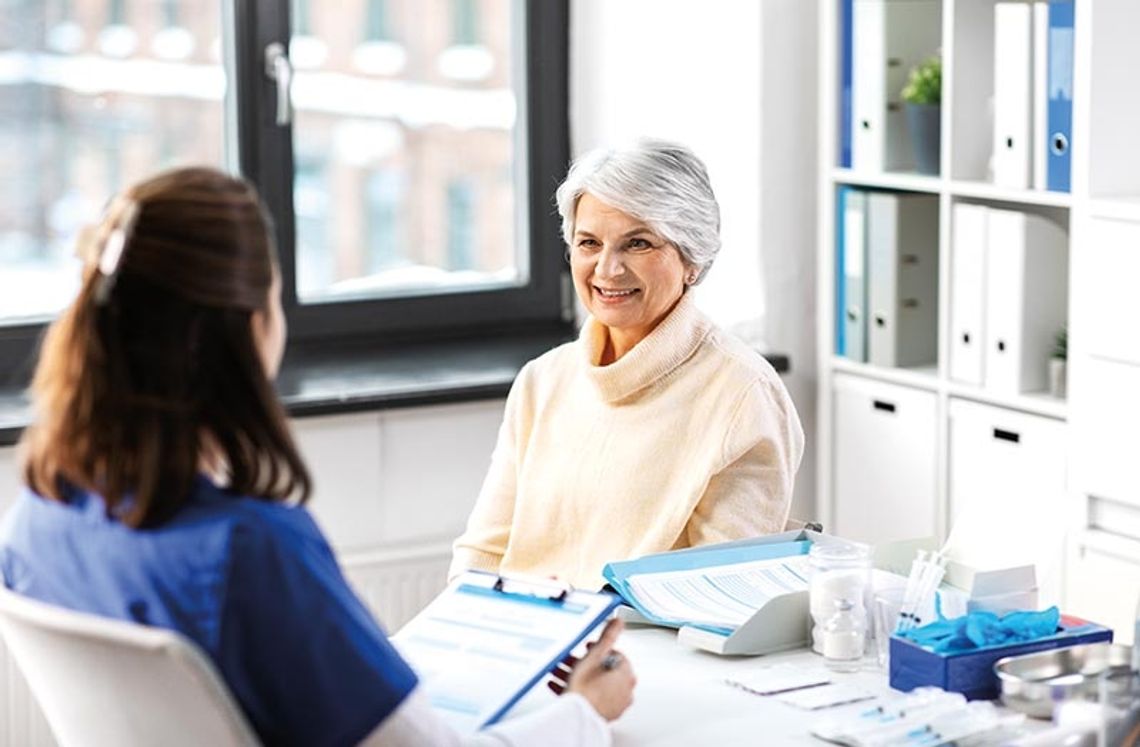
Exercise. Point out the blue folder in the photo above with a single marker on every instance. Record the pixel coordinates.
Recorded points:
(1059, 112)
(709, 556)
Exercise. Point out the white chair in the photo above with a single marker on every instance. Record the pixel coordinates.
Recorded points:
(107, 682)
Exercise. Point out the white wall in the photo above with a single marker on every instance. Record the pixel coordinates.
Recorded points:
(736, 81)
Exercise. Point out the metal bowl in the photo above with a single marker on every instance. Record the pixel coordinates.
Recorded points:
(1033, 683)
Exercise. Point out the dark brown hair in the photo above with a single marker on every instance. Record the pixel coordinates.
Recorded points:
(153, 365)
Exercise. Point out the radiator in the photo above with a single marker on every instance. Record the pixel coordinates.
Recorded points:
(397, 583)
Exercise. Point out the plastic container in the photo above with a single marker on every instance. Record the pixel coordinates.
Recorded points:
(840, 572)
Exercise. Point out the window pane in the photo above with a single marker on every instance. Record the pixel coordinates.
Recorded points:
(405, 147)
(93, 96)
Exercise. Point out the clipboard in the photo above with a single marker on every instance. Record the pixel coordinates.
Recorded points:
(486, 640)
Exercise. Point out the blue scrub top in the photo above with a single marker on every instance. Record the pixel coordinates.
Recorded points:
(253, 583)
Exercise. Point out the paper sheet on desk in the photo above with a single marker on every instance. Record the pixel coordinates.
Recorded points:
(721, 597)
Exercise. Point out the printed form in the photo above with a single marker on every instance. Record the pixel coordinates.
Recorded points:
(476, 649)
(722, 596)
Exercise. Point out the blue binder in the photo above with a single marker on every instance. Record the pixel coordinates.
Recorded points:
(840, 275)
(1060, 94)
(845, 50)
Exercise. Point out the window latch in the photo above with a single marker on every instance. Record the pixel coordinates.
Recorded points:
(279, 70)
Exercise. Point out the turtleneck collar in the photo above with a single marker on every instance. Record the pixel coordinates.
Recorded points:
(669, 345)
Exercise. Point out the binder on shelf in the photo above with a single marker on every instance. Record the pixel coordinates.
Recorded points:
(709, 594)
(854, 277)
(902, 295)
(1026, 298)
(845, 36)
(1013, 99)
(889, 37)
(840, 254)
(486, 640)
(1040, 145)
(1060, 93)
(968, 293)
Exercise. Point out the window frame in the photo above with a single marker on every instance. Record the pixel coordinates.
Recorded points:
(264, 155)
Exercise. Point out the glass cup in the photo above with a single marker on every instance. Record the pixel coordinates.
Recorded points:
(885, 609)
(1118, 692)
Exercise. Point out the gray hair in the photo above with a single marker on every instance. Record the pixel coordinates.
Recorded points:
(660, 183)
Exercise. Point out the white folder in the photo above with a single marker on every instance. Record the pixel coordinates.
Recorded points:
(889, 37)
(1013, 94)
(1027, 294)
(855, 275)
(968, 294)
(902, 247)
(1039, 147)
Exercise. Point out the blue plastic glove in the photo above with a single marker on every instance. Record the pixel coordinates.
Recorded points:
(985, 629)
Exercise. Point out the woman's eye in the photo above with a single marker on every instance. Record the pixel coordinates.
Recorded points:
(639, 245)
(588, 244)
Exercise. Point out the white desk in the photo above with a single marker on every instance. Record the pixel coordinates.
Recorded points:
(682, 700)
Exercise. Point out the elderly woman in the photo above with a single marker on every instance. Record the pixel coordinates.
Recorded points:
(655, 430)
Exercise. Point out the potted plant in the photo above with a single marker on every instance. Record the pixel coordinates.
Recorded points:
(1058, 363)
(923, 97)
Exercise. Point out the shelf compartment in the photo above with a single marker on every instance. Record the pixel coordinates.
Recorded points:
(987, 191)
(1033, 403)
(900, 181)
(919, 377)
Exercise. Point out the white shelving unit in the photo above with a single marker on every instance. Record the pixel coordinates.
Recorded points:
(1099, 423)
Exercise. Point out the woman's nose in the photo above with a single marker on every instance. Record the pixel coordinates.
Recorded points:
(610, 264)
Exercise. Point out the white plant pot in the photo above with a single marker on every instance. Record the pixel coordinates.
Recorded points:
(1057, 377)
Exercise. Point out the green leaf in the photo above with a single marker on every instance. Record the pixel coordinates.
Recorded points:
(924, 85)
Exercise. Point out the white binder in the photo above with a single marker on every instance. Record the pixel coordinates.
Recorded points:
(889, 37)
(855, 275)
(968, 294)
(1027, 299)
(1013, 94)
(902, 246)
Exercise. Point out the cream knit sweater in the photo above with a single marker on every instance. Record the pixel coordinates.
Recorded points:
(689, 438)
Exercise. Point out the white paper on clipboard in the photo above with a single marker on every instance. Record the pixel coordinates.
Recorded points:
(485, 641)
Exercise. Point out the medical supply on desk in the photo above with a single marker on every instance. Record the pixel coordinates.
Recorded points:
(825, 696)
(839, 572)
(926, 716)
(779, 679)
(925, 575)
(984, 630)
(844, 636)
(886, 606)
(1035, 683)
(970, 670)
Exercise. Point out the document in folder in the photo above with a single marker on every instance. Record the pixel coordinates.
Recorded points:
(485, 641)
(717, 588)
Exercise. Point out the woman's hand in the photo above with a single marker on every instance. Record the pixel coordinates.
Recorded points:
(603, 676)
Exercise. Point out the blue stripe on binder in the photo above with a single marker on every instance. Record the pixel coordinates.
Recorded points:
(840, 272)
(1060, 94)
(846, 44)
